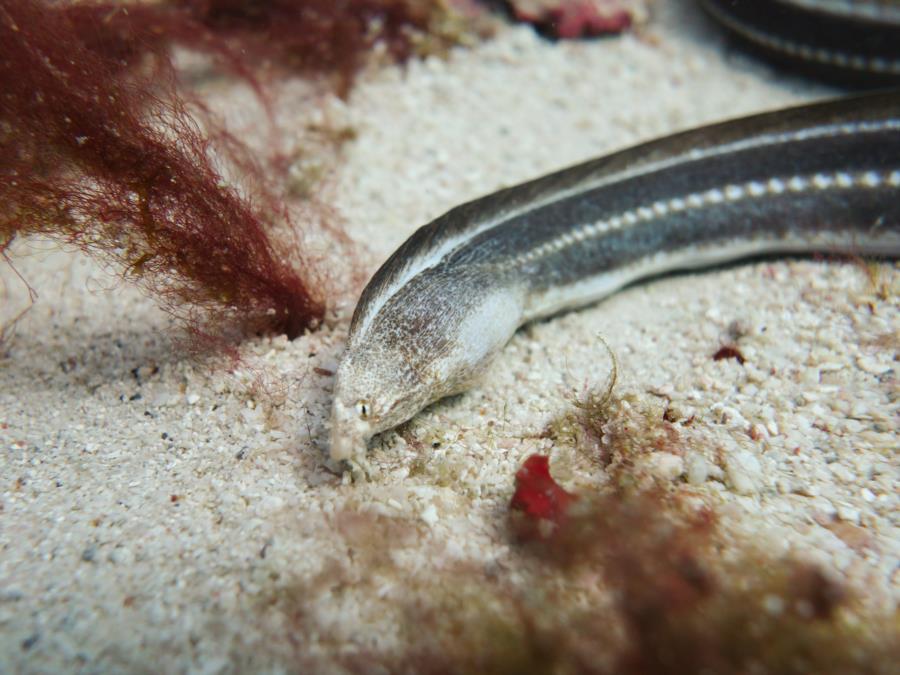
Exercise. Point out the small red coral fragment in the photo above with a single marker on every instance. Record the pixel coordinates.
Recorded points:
(729, 352)
(542, 503)
(570, 19)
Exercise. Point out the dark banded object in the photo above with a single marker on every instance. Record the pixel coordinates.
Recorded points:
(854, 42)
(822, 177)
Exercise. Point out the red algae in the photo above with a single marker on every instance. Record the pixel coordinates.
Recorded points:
(631, 581)
(102, 147)
(116, 165)
(634, 583)
(539, 499)
(312, 38)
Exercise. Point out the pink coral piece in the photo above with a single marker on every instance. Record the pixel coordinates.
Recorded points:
(569, 19)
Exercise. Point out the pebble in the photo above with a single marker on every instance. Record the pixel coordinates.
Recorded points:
(809, 376)
(666, 466)
(744, 472)
(824, 507)
(841, 472)
(727, 415)
(848, 514)
(121, 556)
(12, 595)
(774, 604)
(873, 366)
(697, 469)
(806, 490)
(430, 515)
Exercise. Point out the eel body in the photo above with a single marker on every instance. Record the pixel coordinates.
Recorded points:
(854, 42)
(823, 177)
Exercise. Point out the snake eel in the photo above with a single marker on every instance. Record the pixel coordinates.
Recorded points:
(817, 178)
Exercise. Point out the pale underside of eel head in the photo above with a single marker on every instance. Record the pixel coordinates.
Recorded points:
(427, 342)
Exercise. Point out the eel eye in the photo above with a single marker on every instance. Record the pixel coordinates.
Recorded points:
(363, 409)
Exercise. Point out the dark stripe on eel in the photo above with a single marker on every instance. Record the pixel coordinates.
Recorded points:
(779, 191)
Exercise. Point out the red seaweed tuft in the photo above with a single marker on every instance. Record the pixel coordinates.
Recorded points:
(116, 164)
(102, 147)
(313, 37)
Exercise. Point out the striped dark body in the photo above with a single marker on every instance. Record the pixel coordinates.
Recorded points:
(854, 42)
(823, 177)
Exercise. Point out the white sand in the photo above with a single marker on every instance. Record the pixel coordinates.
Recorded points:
(155, 516)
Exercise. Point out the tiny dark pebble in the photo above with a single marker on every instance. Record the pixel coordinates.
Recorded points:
(173, 498)
(164, 436)
(88, 554)
(30, 641)
(138, 373)
(729, 352)
(324, 372)
(135, 397)
(241, 454)
(11, 596)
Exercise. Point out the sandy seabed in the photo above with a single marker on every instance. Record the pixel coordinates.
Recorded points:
(154, 515)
